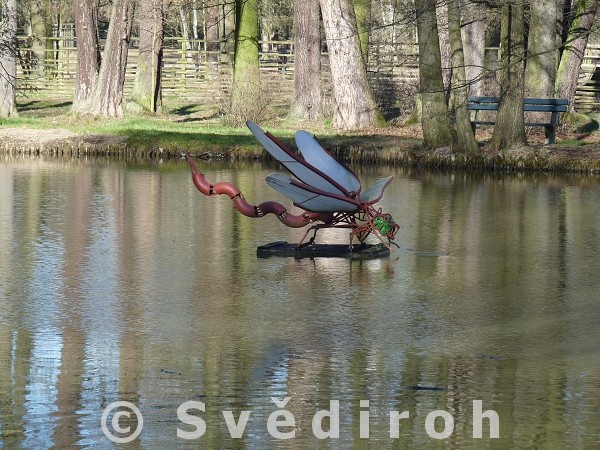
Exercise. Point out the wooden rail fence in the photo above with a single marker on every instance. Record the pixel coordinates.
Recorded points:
(197, 75)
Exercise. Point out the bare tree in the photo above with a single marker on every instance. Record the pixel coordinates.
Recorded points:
(88, 51)
(460, 84)
(510, 124)
(542, 52)
(8, 59)
(435, 120)
(211, 34)
(106, 98)
(147, 84)
(307, 60)
(246, 88)
(355, 106)
(473, 32)
(574, 50)
(362, 9)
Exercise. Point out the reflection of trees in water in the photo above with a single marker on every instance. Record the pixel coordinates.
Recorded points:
(161, 300)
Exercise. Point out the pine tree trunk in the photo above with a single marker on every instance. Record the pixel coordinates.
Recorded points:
(88, 51)
(8, 59)
(510, 125)
(435, 120)
(307, 60)
(464, 131)
(147, 84)
(572, 56)
(355, 106)
(106, 98)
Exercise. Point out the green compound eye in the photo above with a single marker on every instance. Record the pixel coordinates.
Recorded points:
(383, 226)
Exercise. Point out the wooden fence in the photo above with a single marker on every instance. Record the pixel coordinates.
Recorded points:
(196, 75)
(192, 73)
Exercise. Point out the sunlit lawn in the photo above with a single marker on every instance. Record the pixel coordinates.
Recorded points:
(184, 127)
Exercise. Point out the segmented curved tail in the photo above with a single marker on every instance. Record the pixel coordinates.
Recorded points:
(240, 203)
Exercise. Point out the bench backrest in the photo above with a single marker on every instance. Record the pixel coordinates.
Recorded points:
(529, 104)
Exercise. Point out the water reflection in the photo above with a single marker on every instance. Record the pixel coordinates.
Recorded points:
(119, 281)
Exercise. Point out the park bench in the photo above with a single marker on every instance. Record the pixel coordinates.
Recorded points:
(546, 105)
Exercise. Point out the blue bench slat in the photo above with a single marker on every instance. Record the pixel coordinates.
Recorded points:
(527, 100)
(529, 107)
(545, 108)
(483, 106)
(545, 101)
(483, 99)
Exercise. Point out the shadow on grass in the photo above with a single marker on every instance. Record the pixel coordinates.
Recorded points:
(43, 108)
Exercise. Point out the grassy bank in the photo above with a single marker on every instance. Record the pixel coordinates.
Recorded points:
(47, 127)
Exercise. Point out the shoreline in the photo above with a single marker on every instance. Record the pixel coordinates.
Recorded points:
(372, 148)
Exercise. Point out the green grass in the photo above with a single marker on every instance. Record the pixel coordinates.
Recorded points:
(571, 143)
(181, 127)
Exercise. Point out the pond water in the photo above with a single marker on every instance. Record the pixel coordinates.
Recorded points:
(119, 282)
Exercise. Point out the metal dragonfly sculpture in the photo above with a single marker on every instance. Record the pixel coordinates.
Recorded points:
(327, 191)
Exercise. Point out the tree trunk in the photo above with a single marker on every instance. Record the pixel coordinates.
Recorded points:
(246, 88)
(510, 125)
(147, 84)
(473, 32)
(307, 60)
(40, 30)
(362, 9)
(88, 51)
(106, 98)
(355, 106)
(435, 120)
(229, 29)
(212, 31)
(443, 36)
(8, 59)
(542, 53)
(464, 131)
(572, 56)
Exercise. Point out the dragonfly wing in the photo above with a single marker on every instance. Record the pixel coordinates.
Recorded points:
(375, 192)
(314, 153)
(309, 198)
(300, 168)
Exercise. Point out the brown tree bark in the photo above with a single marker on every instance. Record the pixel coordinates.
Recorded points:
(307, 60)
(88, 51)
(355, 106)
(246, 88)
(106, 98)
(542, 53)
(444, 38)
(362, 10)
(435, 120)
(212, 31)
(510, 124)
(473, 33)
(147, 84)
(460, 85)
(574, 50)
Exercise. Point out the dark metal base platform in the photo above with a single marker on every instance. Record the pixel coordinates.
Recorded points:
(285, 249)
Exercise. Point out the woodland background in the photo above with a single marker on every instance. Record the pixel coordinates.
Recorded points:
(357, 63)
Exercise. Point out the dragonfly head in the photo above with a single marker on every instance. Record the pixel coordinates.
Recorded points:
(384, 223)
